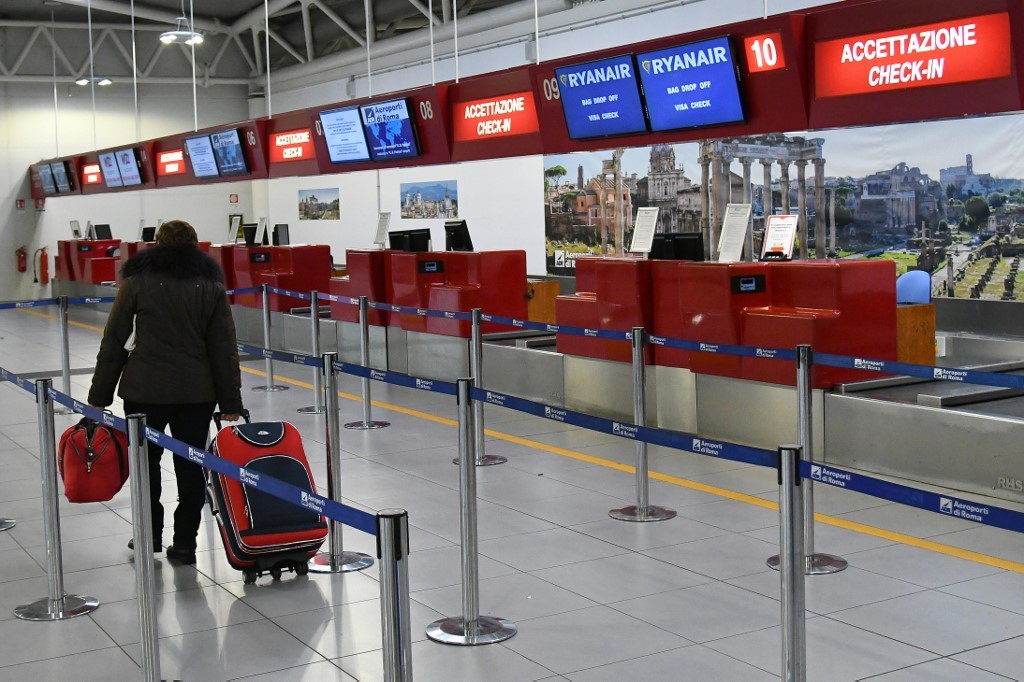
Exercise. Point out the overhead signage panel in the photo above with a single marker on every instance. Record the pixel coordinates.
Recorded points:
(954, 51)
(601, 98)
(502, 116)
(293, 145)
(91, 174)
(691, 85)
(171, 162)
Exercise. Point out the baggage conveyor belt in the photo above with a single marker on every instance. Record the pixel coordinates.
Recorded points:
(963, 436)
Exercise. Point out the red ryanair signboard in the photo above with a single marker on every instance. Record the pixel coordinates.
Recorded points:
(502, 116)
(293, 145)
(91, 174)
(170, 162)
(953, 51)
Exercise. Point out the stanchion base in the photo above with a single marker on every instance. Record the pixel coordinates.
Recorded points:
(312, 409)
(348, 561)
(365, 426)
(7, 524)
(486, 460)
(815, 564)
(489, 630)
(271, 388)
(71, 606)
(650, 513)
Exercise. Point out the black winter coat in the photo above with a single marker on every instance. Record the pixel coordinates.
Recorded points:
(185, 346)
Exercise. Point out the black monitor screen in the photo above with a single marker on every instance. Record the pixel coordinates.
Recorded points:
(200, 155)
(149, 234)
(60, 176)
(691, 85)
(129, 167)
(344, 135)
(108, 165)
(249, 233)
(410, 240)
(46, 177)
(227, 149)
(102, 231)
(389, 130)
(678, 246)
(601, 98)
(281, 235)
(456, 236)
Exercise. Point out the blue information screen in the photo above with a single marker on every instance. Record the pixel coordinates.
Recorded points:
(601, 98)
(691, 85)
(389, 130)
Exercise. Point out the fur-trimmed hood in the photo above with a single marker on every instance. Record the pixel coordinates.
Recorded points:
(179, 262)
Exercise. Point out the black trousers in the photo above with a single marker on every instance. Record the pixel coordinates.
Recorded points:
(190, 423)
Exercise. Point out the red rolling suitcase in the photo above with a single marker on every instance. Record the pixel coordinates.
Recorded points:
(262, 533)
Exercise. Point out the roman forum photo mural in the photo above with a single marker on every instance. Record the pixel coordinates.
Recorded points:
(943, 196)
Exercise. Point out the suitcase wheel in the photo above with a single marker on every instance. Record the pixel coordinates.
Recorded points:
(276, 573)
(249, 577)
(301, 569)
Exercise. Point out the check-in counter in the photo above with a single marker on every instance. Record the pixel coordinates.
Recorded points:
(843, 307)
(459, 281)
(299, 267)
(367, 272)
(611, 294)
(91, 261)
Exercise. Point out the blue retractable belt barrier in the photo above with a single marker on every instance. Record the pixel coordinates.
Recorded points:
(6, 375)
(966, 376)
(397, 378)
(91, 299)
(894, 492)
(317, 503)
(671, 439)
(29, 304)
(247, 290)
(290, 293)
(293, 358)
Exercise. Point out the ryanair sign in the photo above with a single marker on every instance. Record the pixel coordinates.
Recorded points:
(686, 60)
(599, 74)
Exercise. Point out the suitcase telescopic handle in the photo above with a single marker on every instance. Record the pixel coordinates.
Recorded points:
(244, 413)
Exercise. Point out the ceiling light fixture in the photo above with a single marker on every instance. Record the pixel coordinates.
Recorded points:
(183, 33)
(99, 80)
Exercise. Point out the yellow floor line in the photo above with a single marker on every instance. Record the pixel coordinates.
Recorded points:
(893, 536)
(71, 323)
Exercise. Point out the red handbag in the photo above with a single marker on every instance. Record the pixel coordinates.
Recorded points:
(93, 461)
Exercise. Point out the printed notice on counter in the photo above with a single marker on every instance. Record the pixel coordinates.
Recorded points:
(779, 236)
(643, 229)
(383, 220)
(734, 233)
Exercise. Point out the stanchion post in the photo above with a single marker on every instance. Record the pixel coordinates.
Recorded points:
(268, 361)
(395, 615)
(471, 628)
(364, 360)
(815, 563)
(476, 358)
(142, 526)
(791, 573)
(65, 352)
(318, 389)
(56, 605)
(642, 510)
(336, 560)
(7, 524)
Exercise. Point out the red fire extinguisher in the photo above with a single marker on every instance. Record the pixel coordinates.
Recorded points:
(22, 254)
(42, 267)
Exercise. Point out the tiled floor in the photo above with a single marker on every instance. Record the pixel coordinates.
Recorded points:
(594, 599)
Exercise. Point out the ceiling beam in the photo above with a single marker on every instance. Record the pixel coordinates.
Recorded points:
(344, 25)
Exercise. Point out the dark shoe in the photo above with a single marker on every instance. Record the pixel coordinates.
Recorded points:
(181, 556)
(156, 548)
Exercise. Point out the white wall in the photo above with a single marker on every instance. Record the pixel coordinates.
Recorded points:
(501, 200)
